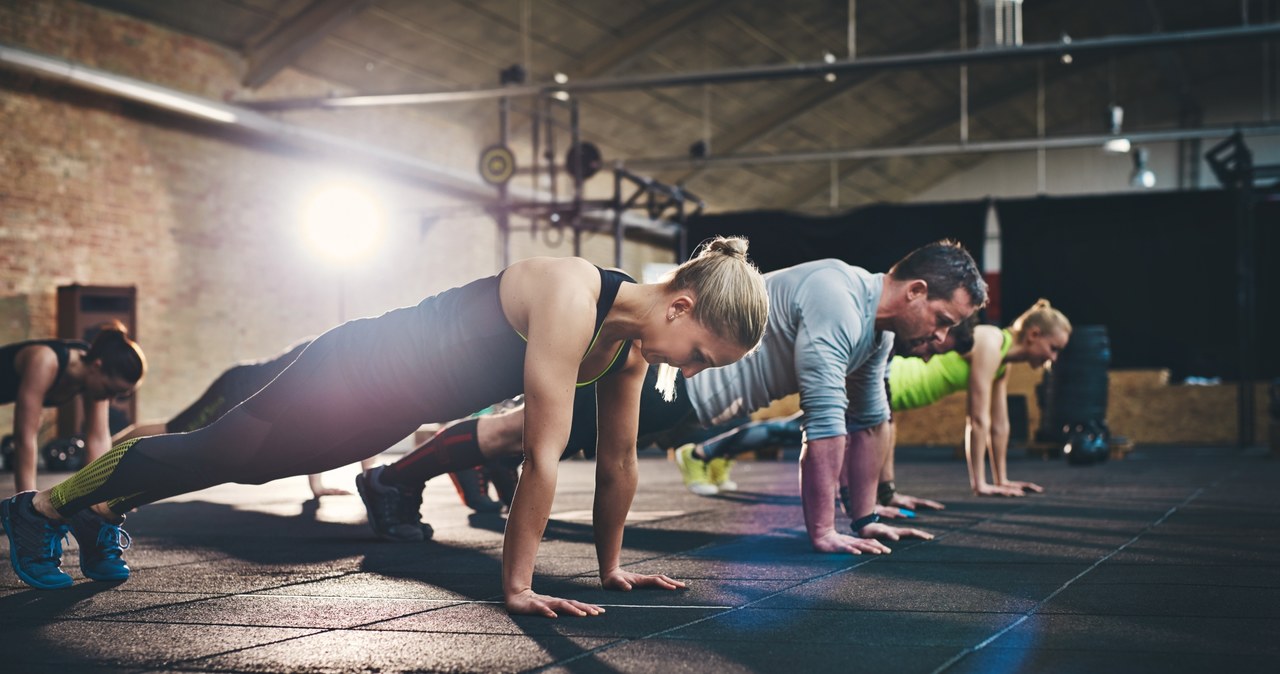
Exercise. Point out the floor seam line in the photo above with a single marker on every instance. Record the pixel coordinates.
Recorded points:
(955, 659)
(829, 574)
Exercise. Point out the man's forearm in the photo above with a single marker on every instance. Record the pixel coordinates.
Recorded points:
(820, 464)
(865, 457)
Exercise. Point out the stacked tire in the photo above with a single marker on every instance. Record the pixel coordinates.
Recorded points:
(1078, 395)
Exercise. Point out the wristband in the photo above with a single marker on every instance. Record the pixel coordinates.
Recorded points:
(862, 522)
(885, 492)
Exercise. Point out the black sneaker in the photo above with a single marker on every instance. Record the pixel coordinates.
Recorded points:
(35, 543)
(393, 512)
(102, 546)
(473, 489)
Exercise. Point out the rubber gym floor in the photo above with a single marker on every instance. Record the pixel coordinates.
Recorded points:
(1165, 561)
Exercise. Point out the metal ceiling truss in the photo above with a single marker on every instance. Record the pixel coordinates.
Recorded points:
(860, 68)
(903, 140)
(1105, 45)
(640, 36)
(760, 126)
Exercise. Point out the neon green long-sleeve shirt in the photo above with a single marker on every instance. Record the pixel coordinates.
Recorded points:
(915, 382)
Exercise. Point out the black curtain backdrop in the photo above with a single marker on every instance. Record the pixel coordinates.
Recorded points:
(873, 237)
(1159, 270)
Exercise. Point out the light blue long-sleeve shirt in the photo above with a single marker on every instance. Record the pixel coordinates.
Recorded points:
(820, 342)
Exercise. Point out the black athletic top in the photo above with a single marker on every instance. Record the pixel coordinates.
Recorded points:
(450, 356)
(232, 388)
(9, 378)
(610, 281)
(245, 379)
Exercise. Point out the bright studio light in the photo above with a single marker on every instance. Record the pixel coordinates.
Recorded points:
(1142, 175)
(343, 223)
(1117, 146)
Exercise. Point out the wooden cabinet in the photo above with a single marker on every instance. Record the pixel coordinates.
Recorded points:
(81, 312)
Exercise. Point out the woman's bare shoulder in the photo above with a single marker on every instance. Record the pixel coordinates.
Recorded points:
(985, 354)
(35, 355)
(545, 274)
(986, 335)
(546, 264)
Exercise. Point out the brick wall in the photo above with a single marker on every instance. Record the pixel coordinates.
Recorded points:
(205, 223)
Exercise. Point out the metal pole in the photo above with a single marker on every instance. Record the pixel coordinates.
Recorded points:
(835, 185)
(853, 29)
(981, 147)
(617, 218)
(526, 43)
(504, 200)
(551, 151)
(576, 172)
(964, 73)
(1112, 44)
(1245, 298)
(535, 127)
(1266, 69)
(1041, 168)
(706, 118)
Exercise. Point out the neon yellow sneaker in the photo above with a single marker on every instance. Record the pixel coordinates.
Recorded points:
(694, 472)
(718, 473)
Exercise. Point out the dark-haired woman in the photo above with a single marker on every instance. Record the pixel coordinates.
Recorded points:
(51, 372)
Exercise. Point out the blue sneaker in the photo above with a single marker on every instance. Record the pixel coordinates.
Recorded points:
(102, 546)
(35, 543)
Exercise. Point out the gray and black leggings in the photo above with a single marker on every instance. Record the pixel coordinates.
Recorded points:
(308, 420)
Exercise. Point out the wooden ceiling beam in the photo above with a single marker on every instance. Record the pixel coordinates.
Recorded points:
(641, 35)
(290, 39)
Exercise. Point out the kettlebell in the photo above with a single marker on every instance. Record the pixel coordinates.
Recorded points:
(7, 448)
(1086, 444)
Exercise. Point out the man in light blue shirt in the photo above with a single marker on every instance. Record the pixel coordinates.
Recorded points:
(831, 329)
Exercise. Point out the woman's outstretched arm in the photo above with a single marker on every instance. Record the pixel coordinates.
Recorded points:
(984, 361)
(553, 303)
(618, 402)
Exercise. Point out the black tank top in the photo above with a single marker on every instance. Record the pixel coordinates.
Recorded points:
(9, 378)
(451, 355)
(610, 281)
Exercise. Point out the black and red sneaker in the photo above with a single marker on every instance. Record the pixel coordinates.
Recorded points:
(473, 489)
(504, 474)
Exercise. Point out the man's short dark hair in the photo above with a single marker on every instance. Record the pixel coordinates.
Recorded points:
(945, 266)
(962, 334)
